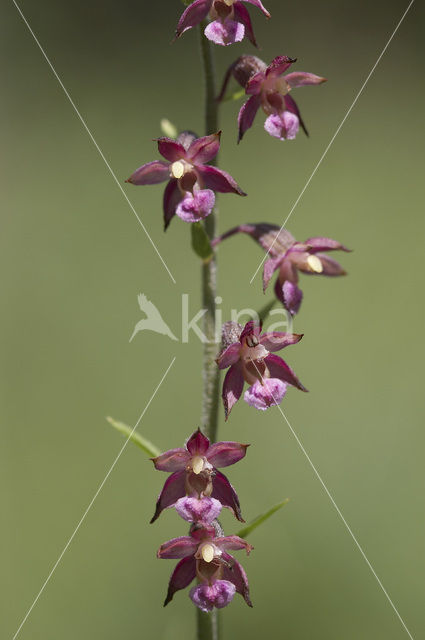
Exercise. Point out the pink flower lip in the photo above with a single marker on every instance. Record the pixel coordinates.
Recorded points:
(230, 21)
(194, 473)
(204, 510)
(268, 88)
(268, 394)
(192, 182)
(205, 556)
(288, 257)
(252, 360)
(218, 595)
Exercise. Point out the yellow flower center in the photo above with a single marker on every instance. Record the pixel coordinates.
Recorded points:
(197, 464)
(315, 264)
(207, 552)
(177, 169)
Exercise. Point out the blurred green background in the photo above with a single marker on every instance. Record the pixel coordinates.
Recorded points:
(73, 259)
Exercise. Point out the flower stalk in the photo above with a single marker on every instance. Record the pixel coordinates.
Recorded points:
(207, 623)
(196, 488)
(210, 393)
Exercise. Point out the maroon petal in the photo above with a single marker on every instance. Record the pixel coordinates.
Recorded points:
(247, 66)
(174, 488)
(229, 355)
(260, 5)
(232, 388)
(233, 542)
(249, 329)
(242, 228)
(181, 547)
(193, 15)
(170, 149)
(277, 340)
(272, 238)
(269, 268)
(330, 266)
(254, 84)
(181, 577)
(172, 460)
(172, 198)
(290, 296)
(225, 493)
(301, 79)
(241, 15)
(218, 180)
(242, 70)
(319, 243)
(291, 105)
(288, 268)
(202, 532)
(198, 444)
(234, 572)
(204, 149)
(223, 454)
(279, 369)
(150, 173)
(279, 65)
(247, 114)
(299, 247)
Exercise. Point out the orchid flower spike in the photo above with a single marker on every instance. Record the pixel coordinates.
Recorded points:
(289, 257)
(191, 181)
(230, 20)
(204, 555)
(269, 89)
(251, 359)
(195, 477)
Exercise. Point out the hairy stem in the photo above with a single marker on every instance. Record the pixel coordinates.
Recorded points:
(209, 417)
(207, 623)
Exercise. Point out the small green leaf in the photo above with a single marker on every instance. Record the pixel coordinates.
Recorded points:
(234, 96)
(243, 533)
(200, 242)
(168, 128)
(264, 312)
(150, 449)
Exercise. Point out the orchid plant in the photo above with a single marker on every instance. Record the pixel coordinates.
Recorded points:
(195, 487)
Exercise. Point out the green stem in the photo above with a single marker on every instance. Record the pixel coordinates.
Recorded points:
(211, 104)
(207, 623)
(210, 395)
